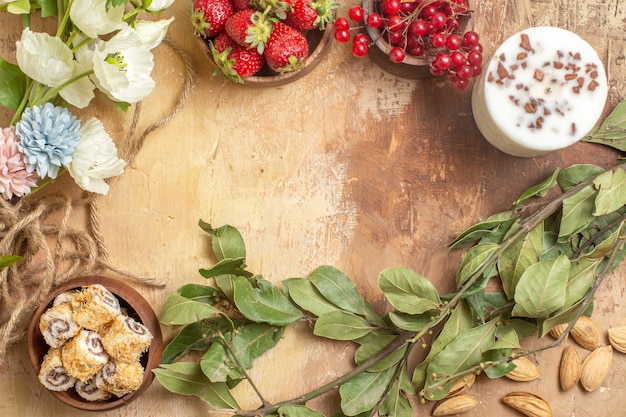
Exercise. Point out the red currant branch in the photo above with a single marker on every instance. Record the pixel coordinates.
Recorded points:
(428, 29)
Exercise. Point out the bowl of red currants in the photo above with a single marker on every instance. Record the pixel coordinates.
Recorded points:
(263, 43)
(415, 39)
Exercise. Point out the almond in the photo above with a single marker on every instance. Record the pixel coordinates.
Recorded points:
(558, 330)
(596, 367)
(586, 333)
(617, 338)
(570, 368)
(454, 405)
(462, 384)
(525, 370)
(528, 403)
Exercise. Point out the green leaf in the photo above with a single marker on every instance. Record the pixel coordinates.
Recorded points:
(341, 325)
(539, 190)
(337, 288)
(515, 260)
(460, 355)
(228, 266)
(12, 84)
(304, 294)
(196, 336)
(8, 260)
(565, 315)
(179, 310)
(474, 259)
(264, 303)
(248, 343)
(186, 378)
(298, 411)
(218, 365)
(582, 276)
(226, 242)
(501, 369)
(480, 230)
(542, 288)
(611, 192)
(577, 212)
(577, 173)
(408, 291)
(396, 403)
(200, 293)
(459, 321)
(410, 322)
(375, 344)
(612, 132)
(364, 391)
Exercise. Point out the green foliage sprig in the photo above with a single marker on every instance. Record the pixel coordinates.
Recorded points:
(547, 255)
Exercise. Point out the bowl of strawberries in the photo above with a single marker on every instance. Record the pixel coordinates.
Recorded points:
(263, 43)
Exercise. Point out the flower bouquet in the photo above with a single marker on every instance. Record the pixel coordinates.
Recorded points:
(98, 45)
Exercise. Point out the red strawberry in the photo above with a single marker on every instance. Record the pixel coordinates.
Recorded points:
(234, 61)
(287, 49)
(272, 8)
(249, 28)
(242, 4)
(208, 17)
(310, 14)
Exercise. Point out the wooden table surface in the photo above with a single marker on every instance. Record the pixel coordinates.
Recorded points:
(350, 167)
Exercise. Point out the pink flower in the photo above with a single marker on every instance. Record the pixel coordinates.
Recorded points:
(15, 180)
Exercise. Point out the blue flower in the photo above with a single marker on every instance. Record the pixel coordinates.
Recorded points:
(48, 136)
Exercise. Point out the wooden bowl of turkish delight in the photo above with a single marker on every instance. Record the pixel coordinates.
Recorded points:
(93, 343)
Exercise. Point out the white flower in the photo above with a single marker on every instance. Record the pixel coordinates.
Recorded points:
(152, 33)
(95, 158)
(44, 58)
(47, 60)
(122, 67)
(93, 19)
(159, 5)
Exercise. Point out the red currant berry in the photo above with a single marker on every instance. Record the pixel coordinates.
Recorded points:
(342, 36)
(470, 38)
(397, 54)
(374, 20)
(438, 40)
(341, 24)
(465, 72)
(428, 11)
(361, 37)
(478, 48)
(442, 60)
(415, 45)
(452, 24)
(438, 20)
(396, 38)
(453, 42)
(390, 7)
(457, 59)
(356, 13)
(396, 23)
(419, 27)
(435, 70)
(475, 58)
(477, 70)
(461, 84)
(359, 49)
(407, 7)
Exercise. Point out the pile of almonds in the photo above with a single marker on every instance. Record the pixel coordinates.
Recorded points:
(590, 372)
